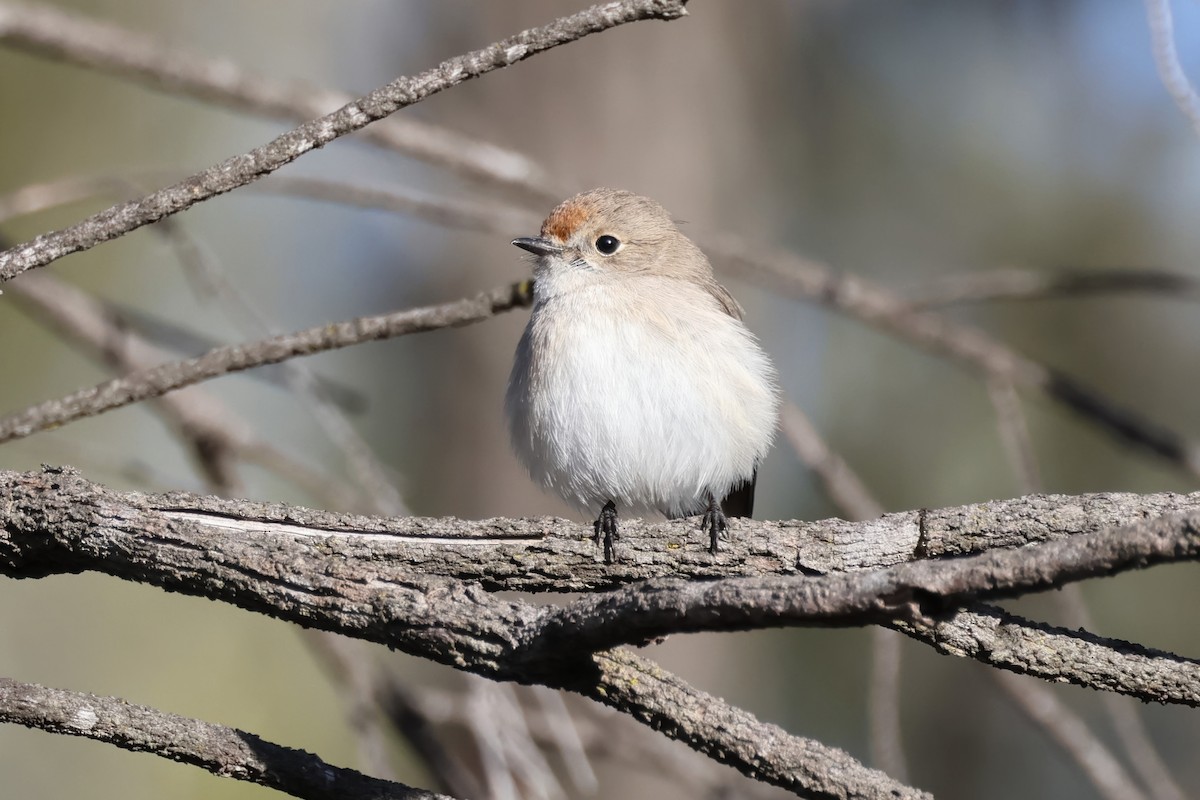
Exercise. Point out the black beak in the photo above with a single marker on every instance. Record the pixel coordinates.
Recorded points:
(538, 245)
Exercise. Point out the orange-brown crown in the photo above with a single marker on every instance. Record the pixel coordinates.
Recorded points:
(567, 217)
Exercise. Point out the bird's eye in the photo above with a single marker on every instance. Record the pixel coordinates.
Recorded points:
(607, 245)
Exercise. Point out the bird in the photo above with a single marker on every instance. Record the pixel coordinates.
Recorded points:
(636, 387)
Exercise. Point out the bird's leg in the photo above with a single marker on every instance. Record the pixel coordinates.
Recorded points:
(606, 524)
(713, 521)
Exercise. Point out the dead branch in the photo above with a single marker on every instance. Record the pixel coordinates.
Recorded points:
(248, 167)
(216, 748)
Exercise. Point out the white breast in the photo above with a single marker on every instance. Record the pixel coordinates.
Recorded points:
(650, 403)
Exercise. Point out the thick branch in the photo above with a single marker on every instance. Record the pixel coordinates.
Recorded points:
(263, 160)
(222, 751)
(307, 567)
(57, 522)
(916, 589)
(548, 554)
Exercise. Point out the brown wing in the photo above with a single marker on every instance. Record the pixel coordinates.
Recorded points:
(740, 501)
(722, 295)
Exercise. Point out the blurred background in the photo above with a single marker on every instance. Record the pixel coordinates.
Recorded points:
(910, 143)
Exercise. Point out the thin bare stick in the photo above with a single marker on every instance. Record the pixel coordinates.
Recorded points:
(365, 469)
(1071, 734)
(215, 435)
(1014, 434)
(373, 692)
(498, 219)
(168, 67)
(223, 751)
(1124, 715)
(36, 197)
(1030, 284)
(1042, 708)
(847, 294)
(864, 300)
(851, 495)
(219, 361)
(839, 481)
(400, 93)
(1166, 58)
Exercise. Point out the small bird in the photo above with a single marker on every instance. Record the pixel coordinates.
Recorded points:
(635, 385)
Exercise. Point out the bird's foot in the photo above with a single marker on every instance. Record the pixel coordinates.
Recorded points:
(713, 521)
(606, 527)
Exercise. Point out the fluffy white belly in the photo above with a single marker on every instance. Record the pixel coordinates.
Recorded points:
(651, 410)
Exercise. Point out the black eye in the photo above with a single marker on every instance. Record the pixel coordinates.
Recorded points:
(607, 245)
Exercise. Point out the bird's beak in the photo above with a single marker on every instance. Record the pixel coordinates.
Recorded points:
(538, 245)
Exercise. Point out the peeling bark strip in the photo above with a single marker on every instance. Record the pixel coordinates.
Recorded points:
(246, 168)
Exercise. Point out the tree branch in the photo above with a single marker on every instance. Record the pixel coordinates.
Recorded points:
(166, 66)
(993, 636)
(308, 567)
(1038, 284)
(400, 93)
(159, 380)
(877, 306)
(55, 522)
(222, 751)
(913, 590)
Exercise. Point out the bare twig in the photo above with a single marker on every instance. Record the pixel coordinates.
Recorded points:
(883, 701)
(157, 381)
(1014, 434)
(1030, 284)
(1071, 733)
(373, 692)
(497, 219)
(222, 751)
(563, 736)
(1041, 706)
(876, 306)
(166, 66)
(840, 482)
(855, 297)
(1166, 58)
(1124, 715)
(36, 197)
(251, 166)
(214, 436)
(851, 495)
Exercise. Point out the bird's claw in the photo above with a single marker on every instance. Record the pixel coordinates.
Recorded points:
(606, 526)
